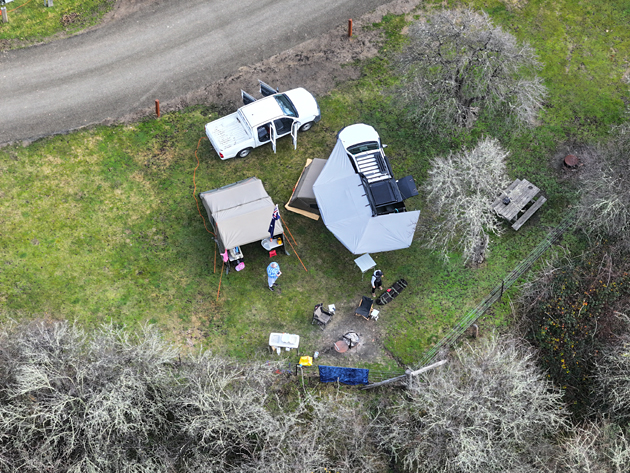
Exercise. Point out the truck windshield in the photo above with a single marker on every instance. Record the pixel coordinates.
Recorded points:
(363, 147)
(286, 105)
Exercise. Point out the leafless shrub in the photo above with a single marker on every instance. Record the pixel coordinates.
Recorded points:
(612, 384)
(345, 433)
(221, 418)
(81, 406)
(122, 402)
(491, 410)
(460, 191)
(538, 285)
(331, 433)
(596, 448)
(458, 62)
(605, 185)
(119, 402)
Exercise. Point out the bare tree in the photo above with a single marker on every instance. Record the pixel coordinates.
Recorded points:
(458, 63)
(612, 386)
(460, 190)
(490, 410)
(331, 432)
(123, 402)
(605, 185)
(116, 401)
(596, 448)
(83, 406)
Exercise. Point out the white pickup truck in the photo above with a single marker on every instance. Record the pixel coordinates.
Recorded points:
(263, 121)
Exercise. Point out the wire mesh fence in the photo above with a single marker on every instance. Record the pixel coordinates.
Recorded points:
(471, 317)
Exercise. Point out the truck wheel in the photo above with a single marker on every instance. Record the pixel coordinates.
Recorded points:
(244, 152)
(307, 126)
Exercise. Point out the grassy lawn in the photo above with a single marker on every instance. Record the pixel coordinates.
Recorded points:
(30, 21)
(102, 224)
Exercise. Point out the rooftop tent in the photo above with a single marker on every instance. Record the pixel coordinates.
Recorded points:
(240, 213)
(303, 200)
(347, 212)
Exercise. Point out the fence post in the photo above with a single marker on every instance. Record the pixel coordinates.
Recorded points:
(409, 378)
(157, 108)
(5, 17)
(502, 287)
(350, 28)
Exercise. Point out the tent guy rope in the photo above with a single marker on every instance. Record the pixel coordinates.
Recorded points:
(292, 247)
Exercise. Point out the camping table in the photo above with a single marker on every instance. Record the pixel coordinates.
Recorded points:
(271, 243)
(365, 263)
(284, 340)
(518, 195)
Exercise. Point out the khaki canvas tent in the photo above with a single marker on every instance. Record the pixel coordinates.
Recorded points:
(303, 200)
(240, 213)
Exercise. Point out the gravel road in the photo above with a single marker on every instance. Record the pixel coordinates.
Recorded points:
(161, 51)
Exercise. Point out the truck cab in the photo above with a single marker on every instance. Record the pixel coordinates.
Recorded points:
(263, 121)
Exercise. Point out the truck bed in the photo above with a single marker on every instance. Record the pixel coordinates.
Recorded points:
(372, 166)
(227, 132)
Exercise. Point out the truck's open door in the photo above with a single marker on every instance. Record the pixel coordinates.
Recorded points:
(294, 131)
(272, 134)
(266, 89)
(247, 98)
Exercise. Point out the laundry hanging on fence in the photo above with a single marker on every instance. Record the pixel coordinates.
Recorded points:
(332, 374)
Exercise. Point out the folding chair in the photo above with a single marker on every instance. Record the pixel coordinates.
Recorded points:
(321, 316)
(365, 308)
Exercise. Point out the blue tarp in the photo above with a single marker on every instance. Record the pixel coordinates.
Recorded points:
(331, 374)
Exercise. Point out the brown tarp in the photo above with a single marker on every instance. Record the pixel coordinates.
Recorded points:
(302, 200)
(240, 213)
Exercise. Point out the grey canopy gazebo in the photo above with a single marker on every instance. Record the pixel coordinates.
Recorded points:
(348, 213)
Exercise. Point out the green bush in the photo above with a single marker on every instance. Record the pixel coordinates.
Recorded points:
(573, 318)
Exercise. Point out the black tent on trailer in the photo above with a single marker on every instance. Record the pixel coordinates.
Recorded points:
(302, 200)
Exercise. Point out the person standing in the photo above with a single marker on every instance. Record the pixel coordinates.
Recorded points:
(273, 273)
(377, 282)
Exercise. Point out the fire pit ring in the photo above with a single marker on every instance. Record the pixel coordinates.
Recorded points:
(571, 161)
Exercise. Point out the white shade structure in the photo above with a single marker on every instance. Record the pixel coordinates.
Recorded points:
(347, 212)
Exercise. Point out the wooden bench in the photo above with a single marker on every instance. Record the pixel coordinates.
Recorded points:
(523, 218)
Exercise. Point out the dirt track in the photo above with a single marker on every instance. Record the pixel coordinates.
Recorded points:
(185, 53)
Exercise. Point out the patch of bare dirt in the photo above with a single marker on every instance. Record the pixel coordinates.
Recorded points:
(372, 335)
(319, 65)
(70, 18)
(585, 155)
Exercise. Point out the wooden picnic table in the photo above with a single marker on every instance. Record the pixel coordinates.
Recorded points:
(515, 198)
